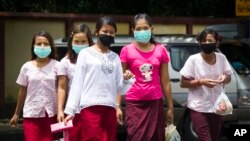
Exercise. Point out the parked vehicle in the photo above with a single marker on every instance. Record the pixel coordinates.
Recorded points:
(180, 48)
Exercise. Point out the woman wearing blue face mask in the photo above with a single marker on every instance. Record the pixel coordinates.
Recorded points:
(148, 61)
(37, 80)
(80, 38)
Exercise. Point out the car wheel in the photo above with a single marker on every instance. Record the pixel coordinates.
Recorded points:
(188, 130)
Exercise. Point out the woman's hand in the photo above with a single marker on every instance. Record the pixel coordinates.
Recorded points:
(127, 75)
(119, 115)
(170, 116)
(14, 121)
(209, 82)
(222, 79)
(60, 116)
(68, 117)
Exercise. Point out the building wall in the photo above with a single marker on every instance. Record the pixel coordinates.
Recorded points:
(18, 37)
(19, 29)
(19, 34)
(169, 29)
(198, 28)
(122, 27)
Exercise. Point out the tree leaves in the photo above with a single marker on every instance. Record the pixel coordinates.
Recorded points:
(187, 8)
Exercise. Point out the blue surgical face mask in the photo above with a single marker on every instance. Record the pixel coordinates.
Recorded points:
(42, 51)
(142, 36)
(78, 48)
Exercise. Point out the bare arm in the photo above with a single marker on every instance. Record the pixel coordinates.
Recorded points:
(20, 102)
(224, 79)
(126, 75)
(189, 83)
(61, 96)
(166, 88)
(119, 97)
(119, 114)
(192, 83)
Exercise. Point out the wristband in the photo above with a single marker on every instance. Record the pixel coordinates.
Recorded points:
(198, 82)
(118, 105)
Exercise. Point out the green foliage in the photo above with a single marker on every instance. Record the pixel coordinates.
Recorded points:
(188, 8)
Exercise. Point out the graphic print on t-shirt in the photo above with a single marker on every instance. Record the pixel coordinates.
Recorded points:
(146, 70)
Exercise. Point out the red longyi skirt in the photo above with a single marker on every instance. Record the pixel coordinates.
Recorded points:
(98, 123)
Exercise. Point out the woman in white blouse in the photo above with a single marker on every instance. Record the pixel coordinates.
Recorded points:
(80, 38)
(95, 85)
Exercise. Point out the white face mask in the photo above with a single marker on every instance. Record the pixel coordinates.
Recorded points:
(78, 48)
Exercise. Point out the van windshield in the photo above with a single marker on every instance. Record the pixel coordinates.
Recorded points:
(180, 53)
(237, 55)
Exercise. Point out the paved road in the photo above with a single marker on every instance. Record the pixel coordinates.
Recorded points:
(16, 134)
(11, 134)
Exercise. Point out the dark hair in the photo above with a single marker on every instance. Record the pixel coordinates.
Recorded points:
(45, 34)
(78, 29)
(147, 18)
(202, 36)
(105, 20)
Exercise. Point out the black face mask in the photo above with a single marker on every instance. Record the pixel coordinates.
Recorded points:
(208, 48)
(106, 40)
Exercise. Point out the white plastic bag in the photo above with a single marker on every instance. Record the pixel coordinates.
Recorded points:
(171, 134)
(221, 102)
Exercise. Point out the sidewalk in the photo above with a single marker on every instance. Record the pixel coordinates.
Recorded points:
(10, 134)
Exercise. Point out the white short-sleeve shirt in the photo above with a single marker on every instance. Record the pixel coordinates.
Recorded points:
(41, 86)
(202, 98)
(66, 68)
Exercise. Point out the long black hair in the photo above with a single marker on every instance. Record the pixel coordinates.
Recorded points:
(53, 54)
(202, 36)
(105, 20)
(81, 28)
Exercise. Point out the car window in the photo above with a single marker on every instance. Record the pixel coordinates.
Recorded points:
(237, 55)
(116, 48)
(180, 53)
(226, 30)
(61, 51)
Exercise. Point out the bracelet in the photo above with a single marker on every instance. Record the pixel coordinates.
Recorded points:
(118, 105)
(198, 82)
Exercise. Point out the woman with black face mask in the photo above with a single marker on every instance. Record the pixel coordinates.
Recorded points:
(105, 31)
(97, 80)
(205, 74)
